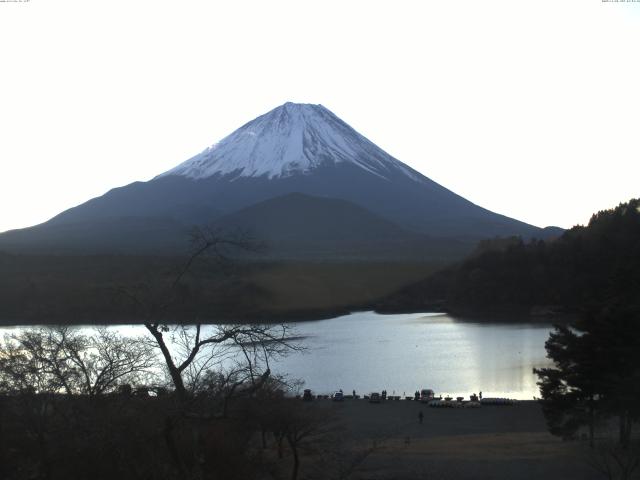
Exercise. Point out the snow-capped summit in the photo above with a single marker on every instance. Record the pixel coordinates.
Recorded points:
(294, 138)
(293, 168)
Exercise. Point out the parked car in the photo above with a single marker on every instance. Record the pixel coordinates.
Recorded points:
(338, 396)
(306, 395)
(374, 397)
(426, 395)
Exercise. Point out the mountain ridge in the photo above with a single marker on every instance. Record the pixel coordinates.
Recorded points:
(293, 148)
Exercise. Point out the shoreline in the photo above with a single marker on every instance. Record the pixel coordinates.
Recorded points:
(476, 316)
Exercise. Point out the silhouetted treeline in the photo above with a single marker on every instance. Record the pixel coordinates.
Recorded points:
(592, 387)
(585, 267)
(594, 380)
(75, 405)
(131, 435)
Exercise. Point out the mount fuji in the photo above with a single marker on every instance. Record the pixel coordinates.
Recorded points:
(298, 155)
(293, 139)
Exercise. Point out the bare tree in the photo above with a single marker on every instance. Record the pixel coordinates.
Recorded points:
(614, 461)
(238, 356)
(189, 351)
(62, 360)
(305, 429)
(42, 369)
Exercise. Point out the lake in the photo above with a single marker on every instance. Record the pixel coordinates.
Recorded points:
(401, 353)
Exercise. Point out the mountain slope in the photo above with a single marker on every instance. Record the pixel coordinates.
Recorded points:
(103, 235)
(293, 148)
(302, 226)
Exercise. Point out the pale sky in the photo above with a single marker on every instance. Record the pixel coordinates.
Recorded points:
(528, 108)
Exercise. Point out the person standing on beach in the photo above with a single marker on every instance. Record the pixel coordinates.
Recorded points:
(420, 417)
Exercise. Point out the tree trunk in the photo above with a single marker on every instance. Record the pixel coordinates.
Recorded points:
(625, 429)
(3, 446)
(592, 421)
(176, 376)
(296, 459)
(225, 406)
(621, 429)
(280, 446)
(45, 462)
(171, 445)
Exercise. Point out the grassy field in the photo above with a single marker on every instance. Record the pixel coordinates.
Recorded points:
(318, 286)
(88, 289)
(492, 443)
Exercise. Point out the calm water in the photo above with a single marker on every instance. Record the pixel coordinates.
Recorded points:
(366, 351)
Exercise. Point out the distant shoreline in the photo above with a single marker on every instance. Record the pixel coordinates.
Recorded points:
(515, 317)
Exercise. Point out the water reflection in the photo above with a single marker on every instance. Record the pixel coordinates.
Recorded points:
(366, 351)
(401, 353)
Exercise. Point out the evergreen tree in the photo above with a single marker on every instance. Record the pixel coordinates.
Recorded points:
(569, 391)
(596, 374)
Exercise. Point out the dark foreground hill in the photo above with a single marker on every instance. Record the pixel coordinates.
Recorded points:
(597, 264)
(298, 226)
